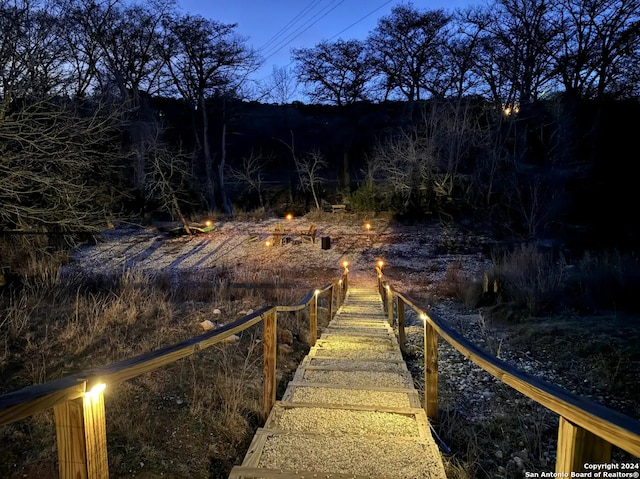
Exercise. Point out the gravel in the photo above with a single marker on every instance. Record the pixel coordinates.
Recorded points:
(351, 455)
(359, 378)
(339, 422)
(355, 397)
(396, 367)
(357, 354)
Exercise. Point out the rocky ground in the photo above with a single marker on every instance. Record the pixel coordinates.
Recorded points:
(487, 429)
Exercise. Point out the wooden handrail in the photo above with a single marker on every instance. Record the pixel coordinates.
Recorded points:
(587, 429)
(79, 413)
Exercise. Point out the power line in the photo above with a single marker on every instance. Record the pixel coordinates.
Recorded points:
(306, 26)
(337, 34)
(358, 21)
(300, 14)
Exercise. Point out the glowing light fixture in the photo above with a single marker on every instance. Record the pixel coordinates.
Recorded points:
(267, 243)
(208, 223)
(367, 226)
(423, 317)
(95, 391)
(317, 292)
(380, 264)
(289, 216)
(345, 264)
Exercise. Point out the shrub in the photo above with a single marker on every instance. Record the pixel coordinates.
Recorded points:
(527, 277)
(364, 200)
(609, 280)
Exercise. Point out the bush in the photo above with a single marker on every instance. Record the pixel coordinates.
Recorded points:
(364, 200)
(527, 277)
(609, 280)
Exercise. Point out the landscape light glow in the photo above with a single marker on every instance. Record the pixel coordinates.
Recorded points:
(208, 223)
(289, 216)
(267, 243)
(367, 226)
(423, 317)
(94, 393)
(345, 264)
(380, 264)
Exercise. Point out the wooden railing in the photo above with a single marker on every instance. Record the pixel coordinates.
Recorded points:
(586, 431)
(78, 401)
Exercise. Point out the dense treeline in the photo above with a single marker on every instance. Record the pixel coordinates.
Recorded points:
(519, 112)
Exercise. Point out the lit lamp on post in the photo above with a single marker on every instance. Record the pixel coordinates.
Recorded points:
(380, 263)
(367, 227)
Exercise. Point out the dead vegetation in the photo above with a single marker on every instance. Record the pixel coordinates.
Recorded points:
(197, 417)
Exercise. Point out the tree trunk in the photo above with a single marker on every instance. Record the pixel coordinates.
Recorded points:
(226, 204)
(208, 161)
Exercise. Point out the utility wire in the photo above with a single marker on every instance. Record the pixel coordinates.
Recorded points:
(306, 26)
(339, 33)
(358, 21)
(310, 6)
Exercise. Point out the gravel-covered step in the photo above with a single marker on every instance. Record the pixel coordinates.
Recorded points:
(328, 394)
(355, 378)
(336, 421)
(354, 365)
(327, 333)
(385, 457)
(389, 355)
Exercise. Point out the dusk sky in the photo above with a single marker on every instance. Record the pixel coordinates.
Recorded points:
(274, 27)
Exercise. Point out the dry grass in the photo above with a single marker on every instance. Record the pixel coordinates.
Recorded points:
(194, 418)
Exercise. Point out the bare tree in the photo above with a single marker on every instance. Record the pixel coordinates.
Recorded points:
(407, 45)
(309, 169)
(280, 87)
(251, 173)
(55, 164)
(335, 72)
(168, 176)
(600, 47)
(206, 59)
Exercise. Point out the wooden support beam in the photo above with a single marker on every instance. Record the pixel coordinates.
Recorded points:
(270, 342)
(401, 333)
(430, 371)
(389, 306)
(576, 446)
(313, 321)
(81, 433)
(330, 302)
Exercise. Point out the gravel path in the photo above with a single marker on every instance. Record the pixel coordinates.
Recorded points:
(376, 432)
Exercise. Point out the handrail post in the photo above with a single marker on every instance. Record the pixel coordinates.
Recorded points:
(389, 305)
(339, 295)
(81, 432)
(346, 282)
(313, 320)
(270, 346)
(401, 332)
(430, 370)
(330, 302)
(577, 446)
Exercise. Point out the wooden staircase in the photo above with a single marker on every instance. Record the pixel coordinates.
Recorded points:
(351, 409)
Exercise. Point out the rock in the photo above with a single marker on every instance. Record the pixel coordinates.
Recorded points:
(284, 349)
(208, 325)
(231, 339)
(217, 311)
(285, 336)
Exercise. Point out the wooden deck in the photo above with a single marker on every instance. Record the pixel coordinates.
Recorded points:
(351, 409)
